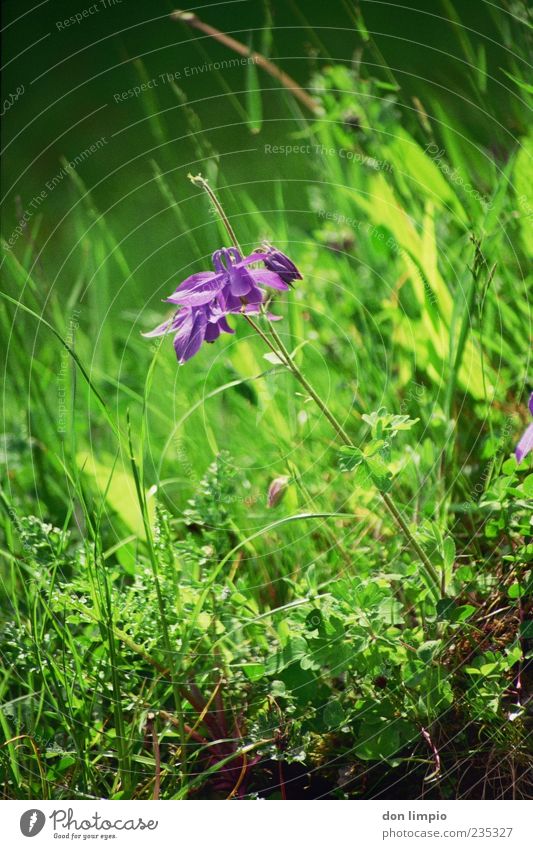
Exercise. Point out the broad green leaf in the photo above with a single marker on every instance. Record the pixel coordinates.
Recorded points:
(118, 486)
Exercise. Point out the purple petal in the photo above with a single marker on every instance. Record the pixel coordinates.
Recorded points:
(224, 326)
(184, 329)
(229, 302)
(212, 331)
(240, 281)
(216, 259)
(215, 328)
(257, 256)
(531, 404)
(225, 259)
(525, 445)
(277, 490)
(161, 329)
(254, 296)
(190, 336)
(233, 255)
(269, 278)
(198, 289)
(281, 264)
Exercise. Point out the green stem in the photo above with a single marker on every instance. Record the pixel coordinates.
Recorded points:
(400, 521)
(264, 337)
(167, 643)
(281, 351)
(335, 423)
(389, 503)
(203, 184)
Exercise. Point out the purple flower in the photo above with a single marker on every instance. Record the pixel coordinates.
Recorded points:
(231, 276)
(526, 443)
(192, 326)
(283, 266)
(208, 297)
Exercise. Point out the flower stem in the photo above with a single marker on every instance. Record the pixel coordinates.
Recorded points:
(278, 348)
(203, 184)
(400, 521)
(389, 503)
(265, 338)
(335, 423)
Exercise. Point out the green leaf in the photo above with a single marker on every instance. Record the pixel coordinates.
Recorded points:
(370, 467)
(509, 467)
(118, 487)
(463, 612)
(381, 736)
(427, 650)
(254, 671)
(254, 105)
(449, 552)
(309, 662)
(449, 610)
(65, 763)
(275, 359)
(391, 612)
(295, 650)
(383, 422)
(350, 458)
(465, 574)
(314, 619)
(444, 608)
(525, 86)
(333, 715)
(362, 477)
(527, 486)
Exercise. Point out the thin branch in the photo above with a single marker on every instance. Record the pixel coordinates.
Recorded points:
(238, 47)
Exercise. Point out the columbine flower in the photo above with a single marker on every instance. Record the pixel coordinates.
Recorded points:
(208, 297)
(526, 443)
(232, 277)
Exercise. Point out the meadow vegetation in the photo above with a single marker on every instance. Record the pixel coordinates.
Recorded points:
(168, 629)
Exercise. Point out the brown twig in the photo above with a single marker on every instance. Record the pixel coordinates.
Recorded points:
(238, 47)
(242, 776)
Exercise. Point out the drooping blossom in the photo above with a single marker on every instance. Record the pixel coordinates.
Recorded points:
(283, 266)
(192, 326)
(526, 443)
(206, 298)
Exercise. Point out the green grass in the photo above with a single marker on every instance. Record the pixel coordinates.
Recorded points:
(164, 633)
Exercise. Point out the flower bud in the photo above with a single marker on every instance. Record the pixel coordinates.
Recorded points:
(277, 490)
